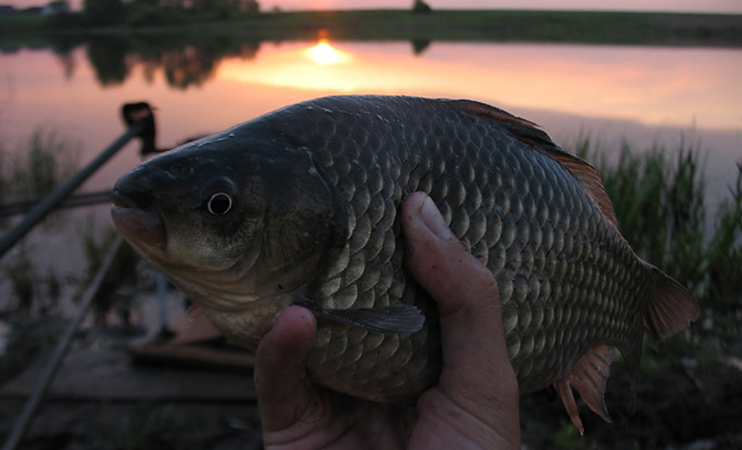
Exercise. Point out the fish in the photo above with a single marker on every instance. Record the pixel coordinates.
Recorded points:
(301, 206)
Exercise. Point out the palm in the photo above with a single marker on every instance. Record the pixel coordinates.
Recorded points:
(330, 421)
(474, 405)
(299, 415)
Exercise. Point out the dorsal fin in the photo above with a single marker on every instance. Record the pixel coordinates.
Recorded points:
(529, 133)
(589, 177)
(523, 129)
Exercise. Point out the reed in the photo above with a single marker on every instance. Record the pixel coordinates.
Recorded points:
(115, 293)
(3, 170)
(659, 196)
(22, 275)
(723, 265)
(49, 159)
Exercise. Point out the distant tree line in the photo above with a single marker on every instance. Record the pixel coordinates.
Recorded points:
(420, 7)
(136, 13)
(161, 12)
(184, 62)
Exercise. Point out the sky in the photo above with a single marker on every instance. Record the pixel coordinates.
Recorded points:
(723, 6)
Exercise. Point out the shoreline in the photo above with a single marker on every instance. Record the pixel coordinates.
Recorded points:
(584, 27)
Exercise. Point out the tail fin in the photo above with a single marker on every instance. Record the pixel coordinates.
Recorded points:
(670, 309)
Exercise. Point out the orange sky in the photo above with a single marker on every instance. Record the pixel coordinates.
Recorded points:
(725, 6)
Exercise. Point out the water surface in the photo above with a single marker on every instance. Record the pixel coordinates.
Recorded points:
(637, 92)
(642, 94)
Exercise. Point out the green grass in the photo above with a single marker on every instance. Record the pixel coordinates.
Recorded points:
(567, 438)
(4, 182)
(96, 242)
(724, 263)
(49, 159)
(151, 425)
(32, 173)
(22, 276)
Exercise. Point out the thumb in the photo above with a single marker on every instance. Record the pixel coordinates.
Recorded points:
(472, 337)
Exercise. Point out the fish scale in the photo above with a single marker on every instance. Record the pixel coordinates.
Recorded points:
(328, 178)
(450, 182)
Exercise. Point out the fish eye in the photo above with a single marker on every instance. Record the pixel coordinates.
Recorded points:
(219, 204)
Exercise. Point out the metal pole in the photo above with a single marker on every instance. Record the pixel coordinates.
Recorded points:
(59, 194)
(73, 201)
(30, 407)
(161, 290)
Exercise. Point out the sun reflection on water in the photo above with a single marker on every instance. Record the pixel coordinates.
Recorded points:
(324, 53)
(651, 86)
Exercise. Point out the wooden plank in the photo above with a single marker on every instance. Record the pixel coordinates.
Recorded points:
(195, 344)
(194, 356)
(109, 375)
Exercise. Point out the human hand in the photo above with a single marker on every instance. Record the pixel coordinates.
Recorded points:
(474, 405)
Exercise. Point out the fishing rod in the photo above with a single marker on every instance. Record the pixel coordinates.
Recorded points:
(141, 124)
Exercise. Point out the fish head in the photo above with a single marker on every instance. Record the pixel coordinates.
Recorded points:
(231, 219)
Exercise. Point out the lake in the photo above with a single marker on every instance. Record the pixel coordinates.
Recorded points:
(643, 94)
(646, 95)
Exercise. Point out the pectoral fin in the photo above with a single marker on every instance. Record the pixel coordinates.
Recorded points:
(399, 318)
(194, 312)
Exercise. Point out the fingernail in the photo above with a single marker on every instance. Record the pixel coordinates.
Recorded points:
(434, 220)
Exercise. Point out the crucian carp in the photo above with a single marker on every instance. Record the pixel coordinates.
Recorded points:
(301, 206)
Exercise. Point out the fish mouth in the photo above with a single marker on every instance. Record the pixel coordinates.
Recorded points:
(138, 220)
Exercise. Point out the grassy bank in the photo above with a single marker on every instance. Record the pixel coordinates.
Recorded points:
(451, 25)
(536, 26)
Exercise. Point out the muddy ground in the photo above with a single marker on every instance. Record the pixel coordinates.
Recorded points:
(687, 406)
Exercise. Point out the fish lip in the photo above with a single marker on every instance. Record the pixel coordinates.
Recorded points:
(122, 200)
(143, 227)
(134, 199)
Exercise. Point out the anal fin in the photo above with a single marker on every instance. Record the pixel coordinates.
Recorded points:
(588, 375)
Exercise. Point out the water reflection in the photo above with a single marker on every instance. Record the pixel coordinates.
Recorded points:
(658, 86)
(183, 63)
(676, 87)
(108, 56)
(420, 45)
(640, 93)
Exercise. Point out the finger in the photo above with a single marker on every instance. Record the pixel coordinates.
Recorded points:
(280, 383)
(466, 293)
